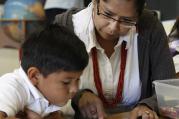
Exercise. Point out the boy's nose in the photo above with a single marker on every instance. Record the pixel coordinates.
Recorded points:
(73, 90)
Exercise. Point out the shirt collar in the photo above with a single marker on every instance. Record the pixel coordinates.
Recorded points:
(128, 38)
(37, 95)
(84, 28)
(92, 34)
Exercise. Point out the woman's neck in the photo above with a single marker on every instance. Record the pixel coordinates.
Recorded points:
(107, 45)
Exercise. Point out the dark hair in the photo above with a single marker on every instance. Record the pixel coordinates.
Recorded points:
(53, 49)
(139, 5)
(175, 30)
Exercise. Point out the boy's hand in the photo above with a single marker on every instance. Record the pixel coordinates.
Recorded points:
(28, 114)
(55, 115)
(32, 115)
(4, 116)
(91, 106)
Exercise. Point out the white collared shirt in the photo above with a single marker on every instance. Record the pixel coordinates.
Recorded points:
(109, 68)
(18, 92)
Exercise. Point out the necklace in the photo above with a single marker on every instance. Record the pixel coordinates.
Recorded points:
(97, 80)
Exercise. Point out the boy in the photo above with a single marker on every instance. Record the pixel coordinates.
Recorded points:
(51, 65)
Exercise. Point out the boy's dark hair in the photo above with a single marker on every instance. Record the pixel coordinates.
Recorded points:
(53, 49)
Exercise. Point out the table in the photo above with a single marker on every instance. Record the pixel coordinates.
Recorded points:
(123, 115)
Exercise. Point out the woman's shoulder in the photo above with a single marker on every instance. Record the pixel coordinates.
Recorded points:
(149, 24)
(65, 19)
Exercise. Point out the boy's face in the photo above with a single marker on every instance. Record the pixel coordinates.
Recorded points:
(58, 87)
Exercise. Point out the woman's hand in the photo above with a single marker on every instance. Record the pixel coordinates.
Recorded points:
(144, 112)
(91, 106)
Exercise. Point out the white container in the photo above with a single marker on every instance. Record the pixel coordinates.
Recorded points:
(167, 92)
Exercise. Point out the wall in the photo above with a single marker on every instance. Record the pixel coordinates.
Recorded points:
(169, 8)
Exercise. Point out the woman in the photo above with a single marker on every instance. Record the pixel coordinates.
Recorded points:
(128, 50)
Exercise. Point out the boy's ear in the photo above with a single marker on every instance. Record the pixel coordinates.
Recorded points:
(34, 75)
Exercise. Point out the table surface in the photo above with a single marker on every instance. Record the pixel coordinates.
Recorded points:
(124, 115)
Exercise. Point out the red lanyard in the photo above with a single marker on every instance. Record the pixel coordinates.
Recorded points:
(97, 80)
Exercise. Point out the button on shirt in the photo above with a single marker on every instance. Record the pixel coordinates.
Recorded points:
(109, 68)
(18, 92)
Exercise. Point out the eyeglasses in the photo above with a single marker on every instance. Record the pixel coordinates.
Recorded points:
(123, 21)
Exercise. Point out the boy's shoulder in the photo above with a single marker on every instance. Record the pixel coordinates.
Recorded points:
(13, 94)
(12, 81)
(148, 24)
(9, 78)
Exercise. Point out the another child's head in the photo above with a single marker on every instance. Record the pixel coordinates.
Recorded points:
(53, 60)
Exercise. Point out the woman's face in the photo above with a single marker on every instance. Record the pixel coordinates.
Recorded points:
(114, 18)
